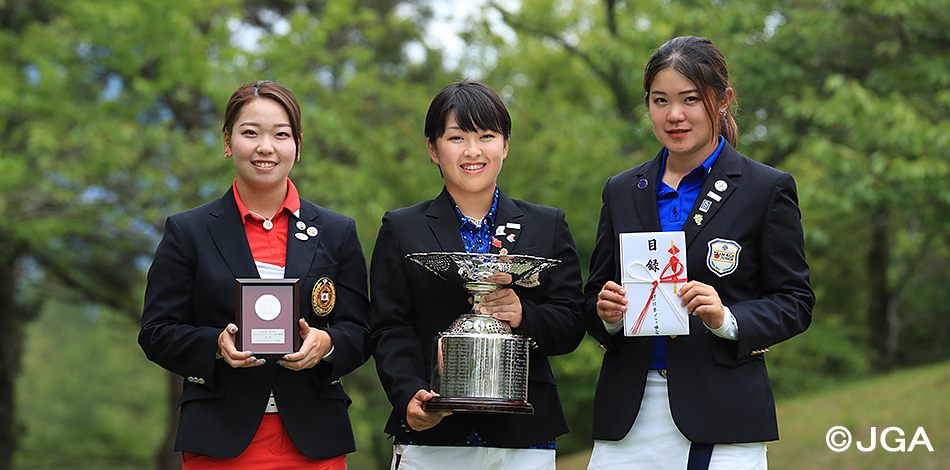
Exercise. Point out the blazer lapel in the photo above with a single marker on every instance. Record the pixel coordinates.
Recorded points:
(645, 189)
(227, 231)
(719, 185)
(302, 243)
(508, 219)
(444, 224)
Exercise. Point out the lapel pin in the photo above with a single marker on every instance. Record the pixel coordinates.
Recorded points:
(714, 196)
(301, 225)
(513, 226)
(301, 236)
(500, 231)
(511, 238)
(312, 231)
(721, 186)
(704, 207)
(495, 243)
(642, 184)
(698, 218)
(503, 252)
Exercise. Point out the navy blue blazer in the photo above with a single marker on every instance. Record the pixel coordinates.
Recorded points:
(190, 299)
(411, 306)
(719, 389)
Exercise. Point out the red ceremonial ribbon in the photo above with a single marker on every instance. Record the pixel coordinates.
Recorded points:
(676, 268)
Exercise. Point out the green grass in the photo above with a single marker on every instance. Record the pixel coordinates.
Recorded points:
(907, 399)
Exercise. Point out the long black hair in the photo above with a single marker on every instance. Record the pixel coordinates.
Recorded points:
(699, 60)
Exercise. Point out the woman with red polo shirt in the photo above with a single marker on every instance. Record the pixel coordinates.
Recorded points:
(238, 410)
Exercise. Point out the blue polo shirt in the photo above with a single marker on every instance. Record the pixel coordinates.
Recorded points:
(477, 236)
(674, 207)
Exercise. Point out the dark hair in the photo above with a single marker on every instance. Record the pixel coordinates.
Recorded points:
(259, 90)
(697, 59)
(476, 106)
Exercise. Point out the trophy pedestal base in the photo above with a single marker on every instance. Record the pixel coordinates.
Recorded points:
(478, 405)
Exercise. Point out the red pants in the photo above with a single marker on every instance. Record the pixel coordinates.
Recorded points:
(271, 449)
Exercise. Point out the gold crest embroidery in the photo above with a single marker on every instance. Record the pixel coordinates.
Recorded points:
(323, 297)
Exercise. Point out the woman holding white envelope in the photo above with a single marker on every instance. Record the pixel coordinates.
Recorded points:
(703, 399)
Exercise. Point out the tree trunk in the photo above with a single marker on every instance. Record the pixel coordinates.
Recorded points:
(879, 256)
(14, 313)
(167, 458)
(10, 347)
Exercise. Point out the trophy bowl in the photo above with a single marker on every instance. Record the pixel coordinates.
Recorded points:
(480, 365)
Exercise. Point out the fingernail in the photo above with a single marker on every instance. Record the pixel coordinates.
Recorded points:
(278, 362)
(284, 358)
(253, 359)
(250, 354)
(233, 329)
(263, 361)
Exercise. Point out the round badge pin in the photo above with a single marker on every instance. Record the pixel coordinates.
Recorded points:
(301, 225)
(301, 236)
(642, 184)
(721, 186)
(323, 297)
(312, 231)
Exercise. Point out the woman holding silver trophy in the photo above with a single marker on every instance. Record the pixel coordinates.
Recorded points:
(467, 134)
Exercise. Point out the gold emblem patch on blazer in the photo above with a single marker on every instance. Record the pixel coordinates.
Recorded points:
(323, 297)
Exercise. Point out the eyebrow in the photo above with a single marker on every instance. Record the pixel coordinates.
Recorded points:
(685, 92)
(255, 124)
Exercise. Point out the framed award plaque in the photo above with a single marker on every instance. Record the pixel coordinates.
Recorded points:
(267, 316)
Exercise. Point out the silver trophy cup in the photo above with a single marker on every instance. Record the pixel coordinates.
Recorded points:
(480, 365)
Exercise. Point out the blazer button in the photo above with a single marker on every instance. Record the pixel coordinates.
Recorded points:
(201, 381)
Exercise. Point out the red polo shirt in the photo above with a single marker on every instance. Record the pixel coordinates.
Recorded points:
(269, 246)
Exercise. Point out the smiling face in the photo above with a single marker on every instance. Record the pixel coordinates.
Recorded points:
(679, 117)
(470, 161)
(262, 144)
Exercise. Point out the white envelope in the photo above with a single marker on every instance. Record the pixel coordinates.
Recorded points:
(653, 268)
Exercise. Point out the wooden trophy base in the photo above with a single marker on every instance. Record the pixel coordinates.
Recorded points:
(478, 405)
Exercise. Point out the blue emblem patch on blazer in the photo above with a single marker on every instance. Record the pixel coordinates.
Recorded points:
(723, 256)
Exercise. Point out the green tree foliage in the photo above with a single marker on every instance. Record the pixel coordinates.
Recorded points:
(855, 95)
(847, 96)
(112, 115)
